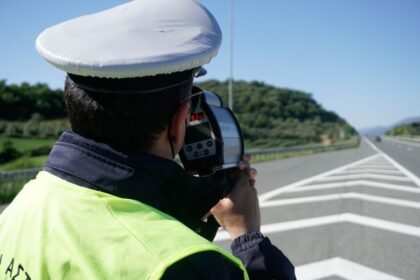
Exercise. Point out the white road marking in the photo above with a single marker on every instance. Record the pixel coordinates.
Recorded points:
(280, 190)
(336, 177)
(333, 219)
(342, 268)
(377, 171)
(362, 183)
(352, 195)
(379, 161)
(357, 164)
(404, 170)
(362, 173)
(364, 168)
(367, 166)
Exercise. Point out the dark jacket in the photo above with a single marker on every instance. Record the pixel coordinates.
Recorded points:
(164, 185)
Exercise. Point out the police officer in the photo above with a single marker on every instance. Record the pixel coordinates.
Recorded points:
(110, 202)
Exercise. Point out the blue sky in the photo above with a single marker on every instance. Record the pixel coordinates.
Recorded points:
(359, 58)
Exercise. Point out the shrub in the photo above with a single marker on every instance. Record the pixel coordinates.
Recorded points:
(9, 152)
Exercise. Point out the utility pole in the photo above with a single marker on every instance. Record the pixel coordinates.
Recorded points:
(231, 55)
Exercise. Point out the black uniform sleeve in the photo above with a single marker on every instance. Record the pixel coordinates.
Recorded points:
(205, 265)
(261, 259)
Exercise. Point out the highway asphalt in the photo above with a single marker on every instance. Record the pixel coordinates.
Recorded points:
(274, 174)
(405, 152)
(351, 214)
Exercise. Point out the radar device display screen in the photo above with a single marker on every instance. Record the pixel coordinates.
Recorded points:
(213, 139)
(198, 133)
(199, 140)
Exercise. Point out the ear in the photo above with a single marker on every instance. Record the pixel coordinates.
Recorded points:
(178, 127)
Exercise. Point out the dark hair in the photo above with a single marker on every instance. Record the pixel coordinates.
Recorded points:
(124, 119)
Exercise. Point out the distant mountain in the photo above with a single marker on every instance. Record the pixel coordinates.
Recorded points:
(379, 130)
(375, 130)
(407, 121)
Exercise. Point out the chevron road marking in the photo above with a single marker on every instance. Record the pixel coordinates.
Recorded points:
(361, 183)
(341, 268)
(369, 166)
(404, 170)
(280, 190)
(336, 177)
(329, 197)
(331, 176)
(333, 219)
(378, 161)
(363, 173)
(374, 171)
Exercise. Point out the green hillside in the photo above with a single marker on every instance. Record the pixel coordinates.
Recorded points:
(274, 117)
(269, 116)
(411, 129)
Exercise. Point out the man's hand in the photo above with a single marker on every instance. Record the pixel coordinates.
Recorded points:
(239, 212)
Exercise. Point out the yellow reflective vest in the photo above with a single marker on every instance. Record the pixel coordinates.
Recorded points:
(57, 230)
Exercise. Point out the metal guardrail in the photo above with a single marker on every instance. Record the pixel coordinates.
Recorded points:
(28, 174)
(302, 148)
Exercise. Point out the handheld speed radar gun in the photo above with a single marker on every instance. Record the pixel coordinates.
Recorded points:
(213, 139)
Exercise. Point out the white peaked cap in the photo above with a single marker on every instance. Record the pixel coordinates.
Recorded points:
(137, 39)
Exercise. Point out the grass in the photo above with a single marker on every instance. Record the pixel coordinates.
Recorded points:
(26, 144)
(24, 163)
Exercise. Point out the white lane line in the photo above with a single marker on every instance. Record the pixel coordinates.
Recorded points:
(342, 268)
(280, 190)
(374, 171)
(404, 170)
(333, 219)
(379, 161)
(337, 177)
(352, 195)
(367, 166)
(361, 183)
(376, 164)
(285, 226)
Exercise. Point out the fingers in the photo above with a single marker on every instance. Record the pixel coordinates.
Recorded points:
(253, 173)
(244, 163)
(245, 167)
(252, 182)
(246, 158)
